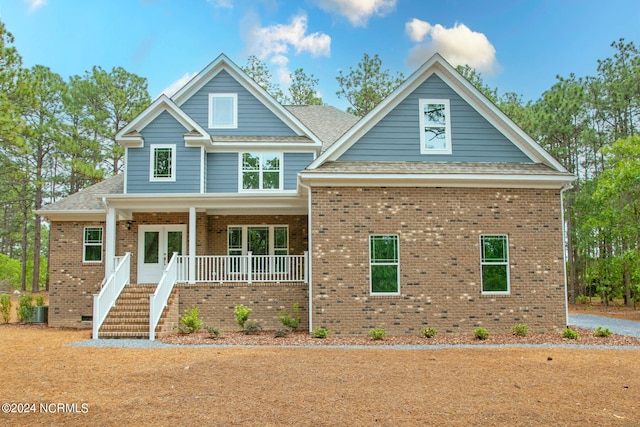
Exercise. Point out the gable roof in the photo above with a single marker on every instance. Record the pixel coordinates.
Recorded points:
(437, 65)
(326, 122)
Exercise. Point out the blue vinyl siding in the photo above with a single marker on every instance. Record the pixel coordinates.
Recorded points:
(294, 163)
(397, 136)
(222, 173)
(254, 119)
(164, 129)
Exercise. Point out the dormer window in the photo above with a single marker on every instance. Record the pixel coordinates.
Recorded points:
(163, 162)
(223, 110)
(435, 126)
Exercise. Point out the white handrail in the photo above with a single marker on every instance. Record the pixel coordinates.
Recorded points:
(113, 286)
(158, 300)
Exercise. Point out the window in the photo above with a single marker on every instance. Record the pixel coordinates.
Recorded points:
(92, 251)
(495, 264)
(259, 240)
(384, 265)
(223, 110)
(163, 162)
(261, 171)
(435, 126)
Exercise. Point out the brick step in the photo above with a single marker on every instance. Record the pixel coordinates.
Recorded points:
(126, 335)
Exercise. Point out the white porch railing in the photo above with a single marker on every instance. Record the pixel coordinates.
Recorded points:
(245, 268)
(110, 291)
(158, 300)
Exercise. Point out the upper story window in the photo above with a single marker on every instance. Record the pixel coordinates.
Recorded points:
(261, 171)
(223, 110)
(92, 247)
(435, 126)
(494, 261)
(163, 162)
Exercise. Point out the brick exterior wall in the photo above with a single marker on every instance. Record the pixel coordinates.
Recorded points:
(439, 245)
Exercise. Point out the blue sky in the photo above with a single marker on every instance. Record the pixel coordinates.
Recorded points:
(518, 46)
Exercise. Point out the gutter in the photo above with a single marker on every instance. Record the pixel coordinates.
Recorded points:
(564, 252)
(309, 248)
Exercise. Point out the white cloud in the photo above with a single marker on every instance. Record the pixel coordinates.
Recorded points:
(222, 4)
(458, 45)
(358, 12)
(273, 44)
(177, 85)
(35, 4)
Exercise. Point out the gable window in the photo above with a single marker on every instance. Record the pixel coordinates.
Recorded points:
(92, 248)
(261, 171)
(384, 265)
(495, 264)
(223, 110)
(163, 162)
(435, 126)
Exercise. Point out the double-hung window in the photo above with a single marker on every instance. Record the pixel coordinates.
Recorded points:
(163, 162)
(92, 247)
(261, 171)
(384, 265)
(435, 126)
(494, 261)
(223, 110)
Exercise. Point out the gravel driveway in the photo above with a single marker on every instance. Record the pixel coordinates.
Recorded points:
(617, 326)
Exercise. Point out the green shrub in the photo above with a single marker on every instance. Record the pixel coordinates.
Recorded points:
(428, 332)
(582, 299)
(570, 334)
(320, 332)
(377, 333)
(290, 321)
(213, 332)
(5, 307)
(251, 327)
(39, 301)
(599, 332)
(481, 333)
(241, 313)
(520, 330)
(25, 310)
(190, 321)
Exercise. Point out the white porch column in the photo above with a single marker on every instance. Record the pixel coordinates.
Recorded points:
(192, 245)
(110, 242)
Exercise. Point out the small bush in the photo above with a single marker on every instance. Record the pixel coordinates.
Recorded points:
(39, 301)
(25, 310)
(290, 321)
(213, 332)
(377, 333)
(320, 332)
(570, 334)
(241, 313)
(520, 330)
(481, 333)
(251, 327)
(599, 332)
(428, 332)
(5, 308)
(190, 321)
(582, 299)
(281, 333)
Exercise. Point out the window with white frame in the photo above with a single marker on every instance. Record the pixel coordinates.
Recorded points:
(494, 261)
(162, 162)
(384, 264)
(260, 171)
(258, 239)
(92, 248)
(435, 126)
(223, 110)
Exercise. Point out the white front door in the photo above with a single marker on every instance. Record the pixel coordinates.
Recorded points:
(156, 245)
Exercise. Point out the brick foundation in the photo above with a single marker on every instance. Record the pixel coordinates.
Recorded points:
(440, 281)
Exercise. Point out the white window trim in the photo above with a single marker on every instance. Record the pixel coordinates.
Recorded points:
(483, 263)
(383, 263)
(245, 236)
(234, 124)
(447, 109)
(260, 172)
(152, 150)
(85, 244)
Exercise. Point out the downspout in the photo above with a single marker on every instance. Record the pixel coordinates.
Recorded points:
(564, 253)
(309, 251)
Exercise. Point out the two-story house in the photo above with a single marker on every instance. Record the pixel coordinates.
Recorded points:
(434, 209)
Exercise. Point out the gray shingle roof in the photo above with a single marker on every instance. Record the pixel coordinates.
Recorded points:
(87, 200)
(326, 122)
